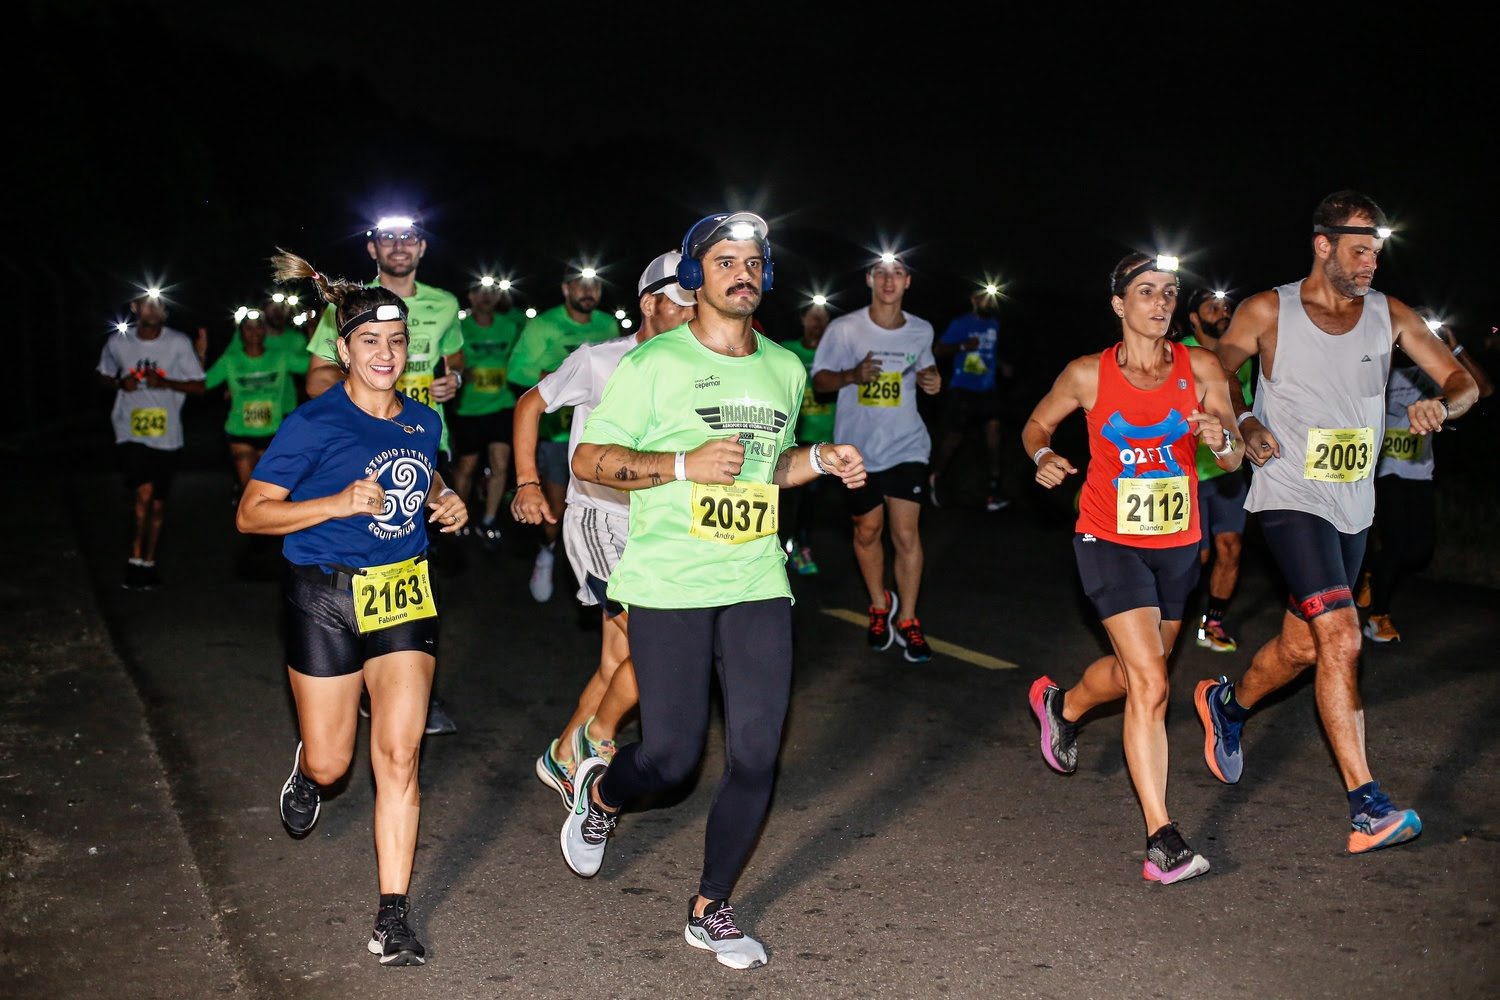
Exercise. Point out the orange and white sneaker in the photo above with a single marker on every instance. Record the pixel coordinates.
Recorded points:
(1380, 629)
(1362, 592)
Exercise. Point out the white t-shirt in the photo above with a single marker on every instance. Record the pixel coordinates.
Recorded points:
(579, 382)
(881, 418)
(152, 417)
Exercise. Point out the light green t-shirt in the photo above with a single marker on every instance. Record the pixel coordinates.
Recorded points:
(544, 345)
(1208, 466)
(258, 389)
(672, 394)
(291, 342)
(486, 366)
(815, 419)
(432, 332)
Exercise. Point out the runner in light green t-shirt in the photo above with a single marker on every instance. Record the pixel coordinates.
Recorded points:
(672, 394)
(697, 425)
(258, 377)
(545, 344)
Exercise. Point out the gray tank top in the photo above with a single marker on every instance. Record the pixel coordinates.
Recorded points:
(1326, 406)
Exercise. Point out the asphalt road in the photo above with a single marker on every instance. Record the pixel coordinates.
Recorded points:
(917, 845)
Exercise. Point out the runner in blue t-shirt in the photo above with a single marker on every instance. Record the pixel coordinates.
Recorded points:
(975, 390)
(348, 480)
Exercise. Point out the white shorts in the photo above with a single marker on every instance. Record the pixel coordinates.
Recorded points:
(593, 540)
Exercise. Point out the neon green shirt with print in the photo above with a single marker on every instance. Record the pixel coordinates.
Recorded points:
(291, 342)
(432, 332)
(672, 394)
(544, 345)
(1208, 466)
(815, 419)
(486, 366)
(258, 389)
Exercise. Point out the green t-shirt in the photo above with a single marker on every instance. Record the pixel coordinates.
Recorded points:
(432, 332)
(293, 343)
(487, 350)
(1208, 466)
(815, 419)
(544, 345)
(258, 389)
(672, 394)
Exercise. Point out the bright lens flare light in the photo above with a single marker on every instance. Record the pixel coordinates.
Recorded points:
(1434, 325)
(1383, 232)
(626, 324)
(619, 314)
(531, 312)
(588, 274)
(820, 300)
(395, 222)
(1166, 262)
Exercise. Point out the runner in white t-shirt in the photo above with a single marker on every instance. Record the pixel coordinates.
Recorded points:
(876, 359)
(152, 369)
(596, 520)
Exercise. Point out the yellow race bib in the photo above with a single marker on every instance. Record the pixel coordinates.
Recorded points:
(391, 594)
(418, 387)
(1402, 445)
(256, 413)
(1153, 506)
(150, 423)
(884, 391)
(735, 513)
(1339, 454)
(487, 380)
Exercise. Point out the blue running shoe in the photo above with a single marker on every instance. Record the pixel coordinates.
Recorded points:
(1375, 823)
(1221, 734)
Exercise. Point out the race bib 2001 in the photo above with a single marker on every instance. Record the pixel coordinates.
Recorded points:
(1401, 444)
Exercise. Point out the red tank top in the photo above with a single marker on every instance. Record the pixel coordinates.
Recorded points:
(1141, 487)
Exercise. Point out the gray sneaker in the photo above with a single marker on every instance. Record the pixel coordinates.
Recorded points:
(439, 722)
(586, 830)
(715, 931)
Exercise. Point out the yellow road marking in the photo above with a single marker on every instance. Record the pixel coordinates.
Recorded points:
(938, 645)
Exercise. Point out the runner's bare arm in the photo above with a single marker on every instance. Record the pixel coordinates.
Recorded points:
(794, 467)
(717, 461)
(1076, 388)
(1214, 421)
(265, 510)
(1252, 332)
(1435, 358)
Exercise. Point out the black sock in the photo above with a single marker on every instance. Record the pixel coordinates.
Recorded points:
(1216, 608)
(393, 901)
(1232, 709)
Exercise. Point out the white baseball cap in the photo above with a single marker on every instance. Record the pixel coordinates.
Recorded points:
(661, 276)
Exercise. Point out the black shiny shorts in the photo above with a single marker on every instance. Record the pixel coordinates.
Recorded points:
(322, 639)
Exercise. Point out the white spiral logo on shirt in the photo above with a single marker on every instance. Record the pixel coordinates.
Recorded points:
(406, 481)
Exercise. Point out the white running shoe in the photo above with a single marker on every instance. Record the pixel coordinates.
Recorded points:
(541, 575)
(715, 931)
(586, 830)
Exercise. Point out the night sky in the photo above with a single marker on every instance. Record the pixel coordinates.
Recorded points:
(184, 142)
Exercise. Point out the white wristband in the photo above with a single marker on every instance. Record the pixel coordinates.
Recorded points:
(1239, 421)
(446, 493)
(679, 465)
(1036, 459)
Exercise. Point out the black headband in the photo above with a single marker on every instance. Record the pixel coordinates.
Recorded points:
(1352, 231)
(384, 313)
(1154, 264)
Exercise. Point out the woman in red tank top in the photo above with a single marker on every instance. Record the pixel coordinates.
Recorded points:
(1147, 402)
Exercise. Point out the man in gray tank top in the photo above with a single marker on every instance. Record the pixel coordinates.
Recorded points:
(1314, 435)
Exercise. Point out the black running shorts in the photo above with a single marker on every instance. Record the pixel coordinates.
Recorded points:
(321, 637)
(1120, 578)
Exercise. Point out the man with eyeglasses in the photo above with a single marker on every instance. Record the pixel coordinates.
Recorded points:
(435, 355)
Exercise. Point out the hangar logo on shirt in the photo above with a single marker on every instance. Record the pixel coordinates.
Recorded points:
(406, 477)
(759, 425)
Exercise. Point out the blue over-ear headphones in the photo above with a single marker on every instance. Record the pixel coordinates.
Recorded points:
(690, 269)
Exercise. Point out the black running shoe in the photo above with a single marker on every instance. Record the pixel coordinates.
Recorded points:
(393, 939)
(300, 799)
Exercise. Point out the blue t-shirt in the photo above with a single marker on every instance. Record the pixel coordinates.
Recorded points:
(973, 370)
(327, 443)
